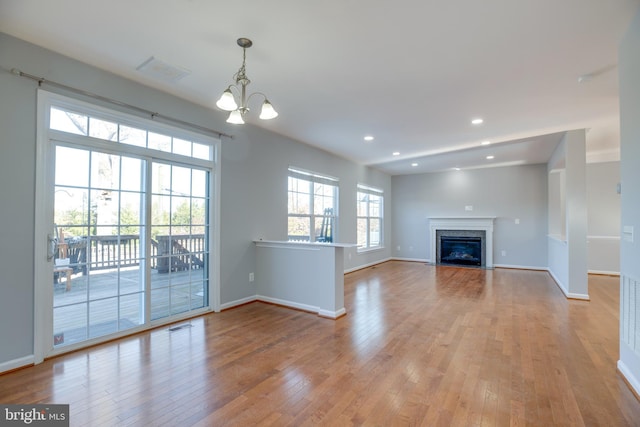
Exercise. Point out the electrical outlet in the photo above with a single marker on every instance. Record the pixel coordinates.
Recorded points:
(398, 248)
(251, 277)
(517, 221)
(468, 208)
(504, 253)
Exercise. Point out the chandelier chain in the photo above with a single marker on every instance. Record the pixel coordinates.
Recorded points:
(241, 76)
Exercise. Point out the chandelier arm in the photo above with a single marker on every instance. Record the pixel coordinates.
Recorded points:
(257, 93)
(239, 92)
(244, 99)
(234, 87)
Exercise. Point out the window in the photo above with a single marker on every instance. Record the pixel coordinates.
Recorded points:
(66, 120)
(313, 201)
(369, 230)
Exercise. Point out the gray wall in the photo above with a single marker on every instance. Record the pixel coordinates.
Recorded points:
(508, 193)
(603, 217)
(629, 66)
(253, 183)
(254, 201)
(17, 175)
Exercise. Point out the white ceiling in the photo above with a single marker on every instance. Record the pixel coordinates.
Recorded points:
(411, 73)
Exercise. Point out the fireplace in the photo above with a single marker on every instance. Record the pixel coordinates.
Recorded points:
(461, 247)
(461, 250)
(464, 241)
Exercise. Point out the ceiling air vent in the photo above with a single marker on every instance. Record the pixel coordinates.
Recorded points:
(160, 70)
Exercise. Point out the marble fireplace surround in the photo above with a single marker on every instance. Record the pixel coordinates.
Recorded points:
(484, 223)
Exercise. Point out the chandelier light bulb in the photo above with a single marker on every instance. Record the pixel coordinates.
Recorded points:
(235, 117)
(268, 112)
(227, 102)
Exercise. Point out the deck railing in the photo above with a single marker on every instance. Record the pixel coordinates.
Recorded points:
(179, 252)
(168, 253)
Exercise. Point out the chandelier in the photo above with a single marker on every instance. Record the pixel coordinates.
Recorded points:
(228, 102)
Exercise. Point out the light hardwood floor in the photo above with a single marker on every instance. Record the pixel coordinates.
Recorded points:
(420, 345)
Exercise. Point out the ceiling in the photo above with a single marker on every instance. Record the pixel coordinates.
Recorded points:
(413, 74)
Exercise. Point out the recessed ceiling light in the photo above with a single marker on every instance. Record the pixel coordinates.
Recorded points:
(368, 138)
(486, 142)
(396, 153)
(490, 157)
(414, 165)
(477, 121)
(456, 169)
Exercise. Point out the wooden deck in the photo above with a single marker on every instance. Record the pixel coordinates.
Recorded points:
(116, 300)
(420, 345)
(98, 284)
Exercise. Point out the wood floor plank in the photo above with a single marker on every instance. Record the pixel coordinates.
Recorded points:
(420, 345)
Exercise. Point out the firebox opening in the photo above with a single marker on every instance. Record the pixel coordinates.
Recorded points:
(461, 250)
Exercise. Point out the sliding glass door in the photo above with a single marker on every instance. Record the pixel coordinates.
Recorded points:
(100, 256)
(179, 236)
(130, 225)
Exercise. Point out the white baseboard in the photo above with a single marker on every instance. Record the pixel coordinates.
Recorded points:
(304, 307)
(558, 282)
(285, 303)
(605, 273)
(332, 314)
(411, 259)
(583, 297)
(17, 363)
(630, 378)
(570, 295)
(371, 264)
(520, 267)
(238, 302)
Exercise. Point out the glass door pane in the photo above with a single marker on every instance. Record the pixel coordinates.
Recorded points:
(100, 260)
(179, 239)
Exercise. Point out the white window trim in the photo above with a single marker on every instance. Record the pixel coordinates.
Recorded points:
(363, 188)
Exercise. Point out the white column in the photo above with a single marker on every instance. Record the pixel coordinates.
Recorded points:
(576, 213)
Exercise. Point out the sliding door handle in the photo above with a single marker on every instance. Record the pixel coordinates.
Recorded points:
(52, 244)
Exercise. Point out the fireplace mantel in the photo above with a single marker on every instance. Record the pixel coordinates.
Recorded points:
(481, 223)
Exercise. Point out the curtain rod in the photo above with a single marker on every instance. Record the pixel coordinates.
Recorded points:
(152, 114)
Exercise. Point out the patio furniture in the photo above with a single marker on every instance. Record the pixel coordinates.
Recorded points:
(61, 264)
(67, 272)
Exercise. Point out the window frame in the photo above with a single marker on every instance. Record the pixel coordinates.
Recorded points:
(365, 191)
(314, 178)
